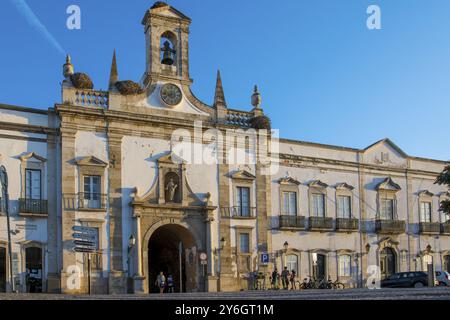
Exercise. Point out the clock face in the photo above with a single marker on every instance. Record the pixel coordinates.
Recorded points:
(171, 94)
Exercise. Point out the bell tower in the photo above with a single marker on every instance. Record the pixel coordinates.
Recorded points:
(167, 44)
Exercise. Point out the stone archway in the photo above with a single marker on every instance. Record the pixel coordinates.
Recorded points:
(161, 253)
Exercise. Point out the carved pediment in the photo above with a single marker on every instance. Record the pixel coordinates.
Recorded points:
(317, 184)
(242, 175)
(425, 193)
(32, 156)
(388, 185)
(171, 158)
(91, 161)
(344, 186)
(289, 180)
(387, 242)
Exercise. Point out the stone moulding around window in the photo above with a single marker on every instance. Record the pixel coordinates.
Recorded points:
(387, 190)
(317, 187)
(288, 184)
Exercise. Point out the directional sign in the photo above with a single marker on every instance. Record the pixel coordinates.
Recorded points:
(84, 236)
(87, 230)
(84, 250)
(84, 243)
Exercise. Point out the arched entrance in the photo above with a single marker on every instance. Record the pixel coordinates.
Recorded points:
(172, 250)
(387, 262)
(2, 269)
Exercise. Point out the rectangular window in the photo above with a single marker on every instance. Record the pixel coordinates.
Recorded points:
(33, 184)
(425, 212)
(387, 209)
(318, 205)
(290, 203)
(344, 207)
(243, 201)
(92, 195)
(345, 266)
(292, 263)
(244, 243)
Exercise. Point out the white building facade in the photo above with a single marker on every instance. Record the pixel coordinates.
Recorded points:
(126, 163)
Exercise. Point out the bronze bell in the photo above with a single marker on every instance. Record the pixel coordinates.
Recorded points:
(167, 54)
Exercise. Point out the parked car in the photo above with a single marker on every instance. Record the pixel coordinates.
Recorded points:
(406, 280)
(442, 278)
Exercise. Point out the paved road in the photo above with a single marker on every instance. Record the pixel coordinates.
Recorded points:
(439, 293)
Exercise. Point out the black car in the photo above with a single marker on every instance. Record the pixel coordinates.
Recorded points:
(406, 280)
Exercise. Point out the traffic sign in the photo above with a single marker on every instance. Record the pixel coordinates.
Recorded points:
(265, 258)
(203, 262)
(203, 256)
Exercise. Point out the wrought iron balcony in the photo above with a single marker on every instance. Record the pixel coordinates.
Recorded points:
(429, 227)
(390, 226)
(292, 222)
(33, 206)
(84, 201)
(445, 227)
(320, 224)
(347, 224)
(238, 212)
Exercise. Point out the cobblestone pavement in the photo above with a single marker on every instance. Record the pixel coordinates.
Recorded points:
(349, 294)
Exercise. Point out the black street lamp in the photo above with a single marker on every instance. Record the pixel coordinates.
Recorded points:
(4, 183)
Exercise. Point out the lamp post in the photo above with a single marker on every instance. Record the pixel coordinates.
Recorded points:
(285, 249)
(219, 251)
(4, 183)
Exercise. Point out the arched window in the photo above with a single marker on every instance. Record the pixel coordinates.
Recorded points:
(168, 48)
(345, 265)
(292, 263)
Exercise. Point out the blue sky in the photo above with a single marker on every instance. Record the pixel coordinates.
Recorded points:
(324, 77)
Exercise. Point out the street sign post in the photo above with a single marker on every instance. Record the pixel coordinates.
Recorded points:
(86, 242)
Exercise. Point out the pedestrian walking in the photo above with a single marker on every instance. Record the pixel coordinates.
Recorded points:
(161, 282)
(170, 283)
(292, 280)
(275, 279)
(285, 278)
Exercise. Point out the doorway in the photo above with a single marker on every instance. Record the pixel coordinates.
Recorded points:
(33, 265)
(320, 269)
(2, 269)
(164, 249)
(387, 263)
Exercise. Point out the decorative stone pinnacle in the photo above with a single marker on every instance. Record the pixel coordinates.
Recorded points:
(219, 97)
(256, 98)
(68, 69)
(114, 75)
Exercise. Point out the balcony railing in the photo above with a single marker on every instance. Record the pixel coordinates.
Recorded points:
(390, 226)
(429, 227)
(33, 206)
(238, 212)
(292, 222)
(347, 224)
(84, 201)
(445, 227)
(320, 224)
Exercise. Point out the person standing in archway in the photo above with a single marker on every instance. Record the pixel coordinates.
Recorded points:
(161, 282)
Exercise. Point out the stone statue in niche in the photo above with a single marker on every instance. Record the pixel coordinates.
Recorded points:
(171, 189)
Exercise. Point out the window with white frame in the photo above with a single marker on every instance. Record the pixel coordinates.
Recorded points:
(290, 203)
(33, 184)
(318, 205)
(92, 196)
(345, 267)
(387, 209)
(292, 263)
(243, 201)
(344, 207)
(425, 211)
